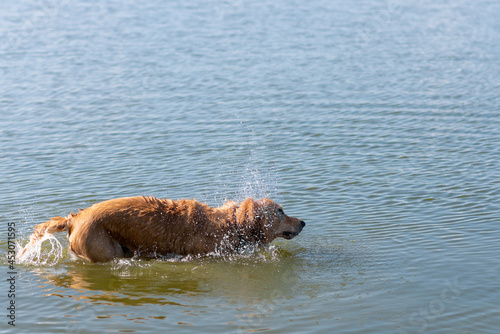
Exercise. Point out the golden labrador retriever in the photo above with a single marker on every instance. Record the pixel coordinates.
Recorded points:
(153, 227)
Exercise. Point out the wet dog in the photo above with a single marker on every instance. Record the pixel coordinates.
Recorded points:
(151, 227)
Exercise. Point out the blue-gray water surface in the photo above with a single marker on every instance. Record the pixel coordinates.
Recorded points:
(376, 122)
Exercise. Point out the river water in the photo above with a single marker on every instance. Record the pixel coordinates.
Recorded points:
(376, 122)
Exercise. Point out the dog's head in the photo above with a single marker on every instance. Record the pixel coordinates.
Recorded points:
(269, 218)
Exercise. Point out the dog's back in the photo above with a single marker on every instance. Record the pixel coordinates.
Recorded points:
(144, 225)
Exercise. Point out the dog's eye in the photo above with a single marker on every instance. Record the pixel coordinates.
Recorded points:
(280, 211)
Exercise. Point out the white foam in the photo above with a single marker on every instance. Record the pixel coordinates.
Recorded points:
(38, 255)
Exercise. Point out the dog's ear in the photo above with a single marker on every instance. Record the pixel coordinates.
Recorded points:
(250, 218)
(264, 205)
(246, 211)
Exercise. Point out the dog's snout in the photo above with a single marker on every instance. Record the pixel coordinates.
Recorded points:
(302, 223)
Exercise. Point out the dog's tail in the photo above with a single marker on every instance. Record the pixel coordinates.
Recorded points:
(54, 225)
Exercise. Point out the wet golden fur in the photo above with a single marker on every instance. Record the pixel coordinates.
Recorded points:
(151, 227)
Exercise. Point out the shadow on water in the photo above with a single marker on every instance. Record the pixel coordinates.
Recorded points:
(258, 279)
(264, 274)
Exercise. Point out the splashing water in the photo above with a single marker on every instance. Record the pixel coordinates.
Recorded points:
(257, 184)
(39, 255)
